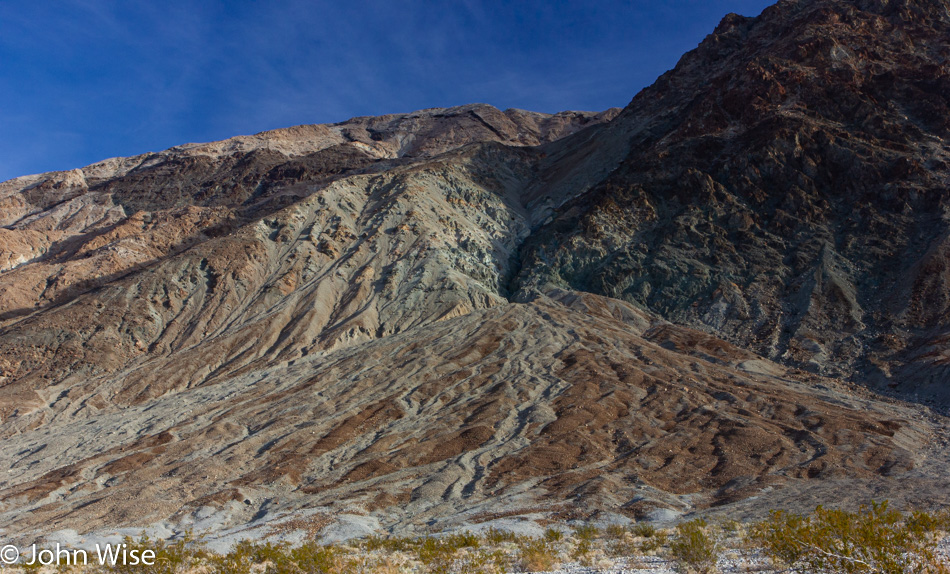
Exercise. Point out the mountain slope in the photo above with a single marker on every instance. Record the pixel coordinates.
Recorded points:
(786, 188)
(568, 406)
(442, 317)
(109, 266)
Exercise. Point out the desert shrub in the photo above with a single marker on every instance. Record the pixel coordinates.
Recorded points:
(170, 557)
(230, 563)
(784, 536)
(553, 535)
(643, 530)
(263, 553)
(29, 568)
(586, 532)
(620, 541)
(536, 555)
(363, 564)
(730, 527)
(496, 536)
(615, 532)
(245, 555)
(309, 558)
(379, 565)
(584, 535)
(731, 534)
(436, 555)
(581, 551)
(692, 548)
(389, 544)
(483, 562)
(460, 540)
(622, 546)
(656, 541)
(943, 520)
(874, 539)
(375, 542)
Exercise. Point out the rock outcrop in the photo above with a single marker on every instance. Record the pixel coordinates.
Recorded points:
(786, 189)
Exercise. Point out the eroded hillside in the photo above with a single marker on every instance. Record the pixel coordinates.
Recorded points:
(442, 317)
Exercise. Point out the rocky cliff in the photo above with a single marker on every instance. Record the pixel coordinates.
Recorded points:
(786, 189)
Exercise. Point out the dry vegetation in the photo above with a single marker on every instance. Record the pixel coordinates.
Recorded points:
(876, 539)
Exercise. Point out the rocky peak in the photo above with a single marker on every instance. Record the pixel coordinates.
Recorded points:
(786, 188)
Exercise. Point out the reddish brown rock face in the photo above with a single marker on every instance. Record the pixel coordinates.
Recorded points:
(463, 313)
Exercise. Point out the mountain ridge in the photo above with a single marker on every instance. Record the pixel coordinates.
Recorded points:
(787, 150)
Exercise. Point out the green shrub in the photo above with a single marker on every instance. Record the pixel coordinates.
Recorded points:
(28, 568)
(496, 536)
(395, 544)
(874, 539)
(692, 548)
(460, 540)
(245, 555)
(586, 532)
(643, 530)
(659, 539)
(231, 563)
(435, 555)
(581, 551)
(310, 558)
(615, 532)
(170, 557)
(483, 562)
(622, 547)
(730, 527)
(536, 555)
(265, 553)
(553, 535)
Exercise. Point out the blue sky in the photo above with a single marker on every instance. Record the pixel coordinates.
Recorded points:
(83, 80)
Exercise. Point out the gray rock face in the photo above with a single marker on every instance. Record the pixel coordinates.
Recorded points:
(459, 316)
